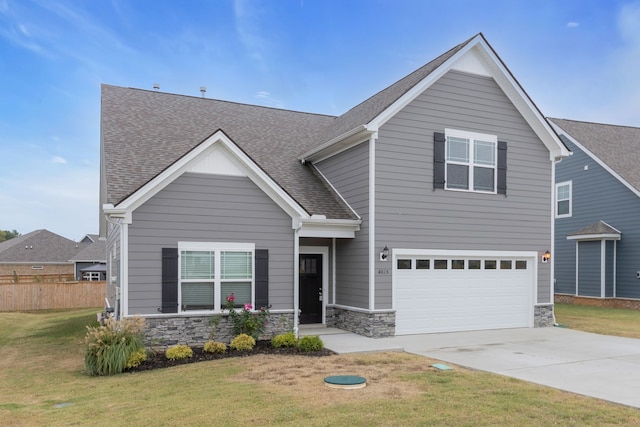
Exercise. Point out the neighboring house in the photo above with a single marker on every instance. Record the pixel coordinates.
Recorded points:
(90, 262)
(597, 226)
(426, 208)
(40, 252)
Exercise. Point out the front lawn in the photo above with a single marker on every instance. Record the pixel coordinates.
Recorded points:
(599, 320)
(42, 382)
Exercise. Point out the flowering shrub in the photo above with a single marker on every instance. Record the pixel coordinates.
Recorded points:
(243, 342)
(178, 352)
(215, 347)
(109, 347)
(246, 321)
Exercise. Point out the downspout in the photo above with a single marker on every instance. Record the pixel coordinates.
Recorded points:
(117, 308)
(372, 220)
(552, 284)
(296, 277)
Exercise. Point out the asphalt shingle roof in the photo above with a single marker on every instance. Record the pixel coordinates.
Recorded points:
(599, 227)
(617, 146)
(92, 252)
(40, 246)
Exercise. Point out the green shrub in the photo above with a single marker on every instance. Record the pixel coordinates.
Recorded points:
(243, 342)
(310, 343)
(246, 321)
(136, 358)
(284, 340)
(179, 352)
(215, 347)
(108, 347)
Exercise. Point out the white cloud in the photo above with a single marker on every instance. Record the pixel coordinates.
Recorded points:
(262, 94)
(573, 24)
(58, 160)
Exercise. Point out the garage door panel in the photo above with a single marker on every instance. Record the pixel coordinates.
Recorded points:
(457, 300)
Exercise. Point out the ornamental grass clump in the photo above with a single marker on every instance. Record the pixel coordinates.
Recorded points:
(179, 352)
(243, 342)
(246, 321)
(287, 339)
(109, 347)
(215, 347)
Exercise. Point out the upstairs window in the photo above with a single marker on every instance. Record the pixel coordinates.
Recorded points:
(563, 199)
(469, 161)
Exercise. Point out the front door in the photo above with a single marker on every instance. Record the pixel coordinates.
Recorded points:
(310, 288)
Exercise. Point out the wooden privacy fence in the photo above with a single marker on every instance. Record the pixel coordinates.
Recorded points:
(44, 296)
(39, 278)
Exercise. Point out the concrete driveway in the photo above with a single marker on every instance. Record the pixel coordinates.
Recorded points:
(594, 365)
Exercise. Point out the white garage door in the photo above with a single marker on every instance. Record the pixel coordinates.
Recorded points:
(458, 293)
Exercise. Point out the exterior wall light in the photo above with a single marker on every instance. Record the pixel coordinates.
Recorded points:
(546, 257)
(384, 255)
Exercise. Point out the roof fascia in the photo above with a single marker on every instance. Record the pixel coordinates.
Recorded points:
(600, 236)
(503, 78)
(337, 145)
(321, 227)
(595, 158)
(125, 208)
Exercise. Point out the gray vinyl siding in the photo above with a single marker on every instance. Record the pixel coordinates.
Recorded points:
(348, 172)
(113, 262)
(589, 269)
(597, 195)
(410, 214)
(207, 208)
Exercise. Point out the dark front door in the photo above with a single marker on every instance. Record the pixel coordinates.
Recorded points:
(310, 288)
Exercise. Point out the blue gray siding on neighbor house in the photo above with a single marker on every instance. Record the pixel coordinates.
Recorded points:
(589, 268)
(609, 269)
(597, 195)
(348, 172)
(207, 208)
(410, 214)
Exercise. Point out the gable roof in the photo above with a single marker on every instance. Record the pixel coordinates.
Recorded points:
(92, 252)
(145, 132)
(39, 246)
(597, 230)
(616, 147)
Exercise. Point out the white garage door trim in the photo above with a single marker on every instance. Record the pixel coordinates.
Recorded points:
(415, 315)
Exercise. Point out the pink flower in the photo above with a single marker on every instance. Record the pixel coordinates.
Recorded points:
(248, 307)
(231, 298)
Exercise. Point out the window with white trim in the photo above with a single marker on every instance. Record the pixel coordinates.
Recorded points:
(211, 272)
(471, 161)
(563, 199)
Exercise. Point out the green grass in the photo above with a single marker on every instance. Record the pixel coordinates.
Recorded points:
(42, 382)
(599, 320)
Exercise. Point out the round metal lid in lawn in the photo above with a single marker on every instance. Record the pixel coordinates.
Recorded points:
(345, 381)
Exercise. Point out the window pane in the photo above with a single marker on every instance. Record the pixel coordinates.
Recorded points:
(235, 265)
(457, 264)
(474, 264)
(440, 264)
(563, 207)
(197, 296)
(483, 179)
(484, 153)
(197, 264)
(490, 265)
(521, 265)
(423, 264)
(457, 149)
(404, 264)
(458, 176)
(505, 265)
(563, 192)
(241, 292)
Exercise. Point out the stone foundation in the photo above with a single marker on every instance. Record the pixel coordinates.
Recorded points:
(630, 304)
(543, 316)
(194, 331)
(372, 325)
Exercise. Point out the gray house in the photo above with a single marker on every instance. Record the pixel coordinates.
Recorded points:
(426, 208)
(597, 226)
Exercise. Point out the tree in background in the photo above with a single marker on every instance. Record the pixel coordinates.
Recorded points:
(6, 235)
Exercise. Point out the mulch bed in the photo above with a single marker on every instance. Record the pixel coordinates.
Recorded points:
(158, 360)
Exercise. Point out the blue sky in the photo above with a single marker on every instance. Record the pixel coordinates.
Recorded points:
(577, 59)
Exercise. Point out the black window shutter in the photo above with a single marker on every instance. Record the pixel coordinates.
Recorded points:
(262, 278)
(438, 160)
(502, 167)
(169, 280)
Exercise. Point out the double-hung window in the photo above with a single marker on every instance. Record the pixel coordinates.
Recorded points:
(211, 272)
(563, 199)
(470, 161)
